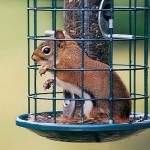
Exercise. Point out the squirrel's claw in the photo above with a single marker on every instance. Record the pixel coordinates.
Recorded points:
(42, 71)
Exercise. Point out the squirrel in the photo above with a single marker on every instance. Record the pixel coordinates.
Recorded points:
(96, 83)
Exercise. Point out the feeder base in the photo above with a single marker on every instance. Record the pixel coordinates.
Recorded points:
(84, 133)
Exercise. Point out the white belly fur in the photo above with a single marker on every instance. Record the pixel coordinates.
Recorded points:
(88, 105)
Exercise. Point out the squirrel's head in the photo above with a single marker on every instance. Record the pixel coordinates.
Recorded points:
(44, 53)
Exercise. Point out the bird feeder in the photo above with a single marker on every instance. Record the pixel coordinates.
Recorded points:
(92, 25)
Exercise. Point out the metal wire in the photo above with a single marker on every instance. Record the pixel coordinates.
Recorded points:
(83, 32)
(146, 4)
(134, 45)
(55, 52)
(28, 34)
(35, 45)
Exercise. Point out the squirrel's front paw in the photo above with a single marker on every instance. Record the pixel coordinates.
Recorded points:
(47, 84)
(42, 69)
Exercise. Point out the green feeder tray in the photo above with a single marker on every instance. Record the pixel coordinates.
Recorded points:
(84, 132)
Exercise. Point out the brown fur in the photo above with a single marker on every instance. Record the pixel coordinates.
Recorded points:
(69, 55)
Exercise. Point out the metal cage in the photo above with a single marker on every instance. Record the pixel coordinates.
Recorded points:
(107, 13)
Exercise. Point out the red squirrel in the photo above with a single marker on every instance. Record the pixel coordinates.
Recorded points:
(96, 83)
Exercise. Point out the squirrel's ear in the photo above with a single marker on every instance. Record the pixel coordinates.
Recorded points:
(60, 34)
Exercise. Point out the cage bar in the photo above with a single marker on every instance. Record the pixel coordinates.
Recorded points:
(28, 34)
(146, 59)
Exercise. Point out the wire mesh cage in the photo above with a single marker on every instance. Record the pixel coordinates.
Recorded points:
(93, 92)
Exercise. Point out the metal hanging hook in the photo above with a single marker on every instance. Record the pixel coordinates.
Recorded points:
(105, 23)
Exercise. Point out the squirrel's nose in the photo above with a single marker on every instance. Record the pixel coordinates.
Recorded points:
(33, 58)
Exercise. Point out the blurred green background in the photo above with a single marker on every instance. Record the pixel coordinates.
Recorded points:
(13, 82)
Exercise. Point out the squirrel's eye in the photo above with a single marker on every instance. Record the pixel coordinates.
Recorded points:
(46, 50)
